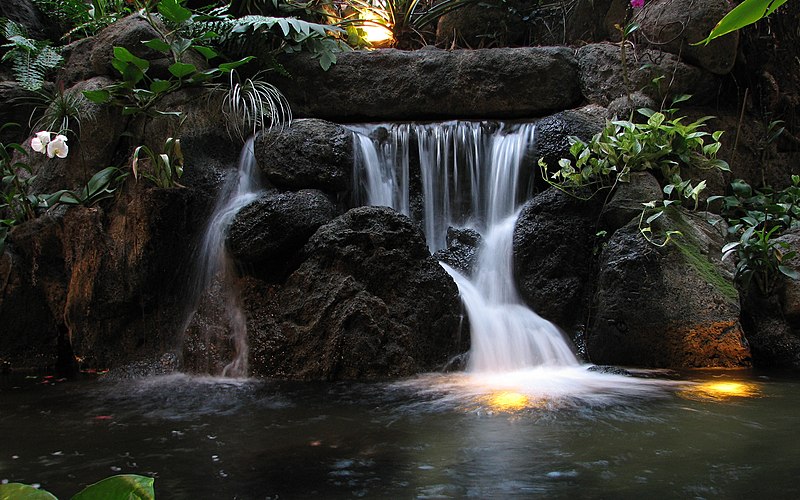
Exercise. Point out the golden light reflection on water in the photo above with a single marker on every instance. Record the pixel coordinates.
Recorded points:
(510, 401)
(721, 391)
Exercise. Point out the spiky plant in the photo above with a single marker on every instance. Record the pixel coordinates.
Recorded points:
(254, 105)
(61, 111)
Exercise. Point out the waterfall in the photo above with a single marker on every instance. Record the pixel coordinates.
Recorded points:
(213, 279)
(472, 174)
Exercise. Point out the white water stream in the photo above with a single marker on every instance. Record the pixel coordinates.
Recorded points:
(216, 271)
(472, 175)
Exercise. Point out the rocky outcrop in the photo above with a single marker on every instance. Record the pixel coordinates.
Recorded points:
(674, 25)
(627, 201)
(367, 302)
(671, 306)
(554, 243)
(275, 226)
(431, 83)
(462, 249)
(602, 78)
(312, 153)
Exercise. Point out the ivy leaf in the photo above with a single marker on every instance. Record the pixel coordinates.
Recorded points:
(158, 44)
(180, 69)
(173, 11)
(97, 96)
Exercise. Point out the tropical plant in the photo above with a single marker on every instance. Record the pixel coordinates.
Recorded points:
(162, 169)
(744, 14)
(31, 59)
(410, 22)
(755, 219)
(60, 110)
(120, 487)
(100, 187)
(80, 18)
(253, 105)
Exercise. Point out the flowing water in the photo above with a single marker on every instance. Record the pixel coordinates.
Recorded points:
(215, 272)
(475, 175)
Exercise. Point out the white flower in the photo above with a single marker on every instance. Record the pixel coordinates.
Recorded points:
(58, 147)
(39, 141)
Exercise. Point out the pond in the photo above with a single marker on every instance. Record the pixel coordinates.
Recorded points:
(546, 433)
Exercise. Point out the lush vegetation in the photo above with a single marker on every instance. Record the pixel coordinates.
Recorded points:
(120, 487)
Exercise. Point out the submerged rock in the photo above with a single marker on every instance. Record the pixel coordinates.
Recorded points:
(667, 307)
(368, 302)
(309, 154)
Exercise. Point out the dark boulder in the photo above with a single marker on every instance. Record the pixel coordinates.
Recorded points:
(309, 154)
(628, 199)
(368, 302)
(602, 78)
(674, 25)
(427, 84)
(668, 307)
(554, 242)
(462, 249)
(276, 225)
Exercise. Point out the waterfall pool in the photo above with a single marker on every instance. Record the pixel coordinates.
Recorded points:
(719, 434)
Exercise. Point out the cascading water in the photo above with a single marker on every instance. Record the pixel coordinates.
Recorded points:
(215, 272)
(471, 176)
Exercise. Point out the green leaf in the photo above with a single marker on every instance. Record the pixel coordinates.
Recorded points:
(173, 11)
(124, 55)
(789, 272)
(125, 486)
(744, 14)
(206, 52)
(19, 491)
(158, 44)
(180, 45)
(227, 67)
(182, 69)
(97, 96)
(158, 86)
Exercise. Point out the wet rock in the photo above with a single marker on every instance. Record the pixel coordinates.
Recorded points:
(683, 310)
(462, 249)
(674, 25)
(368, 302)
(773, 342)
(626, 202)
(425, 84)
(601, 75)
(554, 242)
(790, 289)
(624, 108)
(309, 154)
(553, 132)
(277, 225)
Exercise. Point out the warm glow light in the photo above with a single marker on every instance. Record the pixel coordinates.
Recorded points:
(508, 401)
(375, 33)
(719, 391)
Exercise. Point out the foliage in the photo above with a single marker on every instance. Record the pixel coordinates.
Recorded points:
(409, 21)
(31, 59)
(61, 111)
(120, 487)
(253, 105)
(164, 168)
(17, 203)
(744, 14)
(661, 144)
(275, 35)
(756, 218)
(80, 18)
(101, 186)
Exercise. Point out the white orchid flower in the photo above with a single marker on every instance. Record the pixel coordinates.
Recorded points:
(40, 141)
(58, 147)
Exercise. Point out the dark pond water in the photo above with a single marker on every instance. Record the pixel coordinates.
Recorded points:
(540, 434)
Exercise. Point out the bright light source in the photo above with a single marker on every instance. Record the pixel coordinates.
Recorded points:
(718, 391)
(508, 401)
(375, 33)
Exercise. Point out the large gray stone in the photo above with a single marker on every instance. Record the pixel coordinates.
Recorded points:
(673, 306)
(553, 132)
(674, 25)
(431, 83)
(602, 81)
(310, 153)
